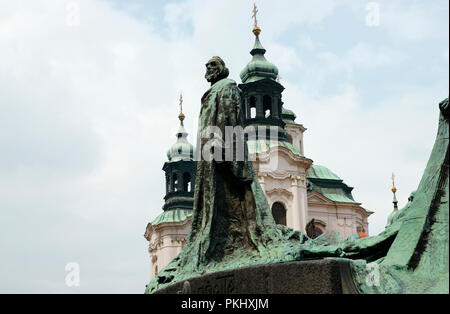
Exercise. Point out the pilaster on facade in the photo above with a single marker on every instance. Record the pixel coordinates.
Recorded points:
(295, 132)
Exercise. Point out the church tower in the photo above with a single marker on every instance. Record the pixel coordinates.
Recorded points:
(280, 165)
(168, 232)
(180, 171)
(261, 93)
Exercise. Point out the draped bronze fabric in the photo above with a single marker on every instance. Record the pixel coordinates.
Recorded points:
(231, 217)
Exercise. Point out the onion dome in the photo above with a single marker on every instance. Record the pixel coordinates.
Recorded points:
(182, 149)
(288, 116)
(258, 68)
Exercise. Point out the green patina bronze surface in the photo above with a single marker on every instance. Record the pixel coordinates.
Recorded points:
(233, 227)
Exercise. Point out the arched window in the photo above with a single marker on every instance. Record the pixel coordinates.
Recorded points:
(290, 138)
(314, 229)
(174, 182)
(279, 213)
(186, 182)
(267, 105)
(252, 105)
(167, 184)
(156, 270)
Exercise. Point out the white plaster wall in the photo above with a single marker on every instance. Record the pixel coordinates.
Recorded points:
(170, 239)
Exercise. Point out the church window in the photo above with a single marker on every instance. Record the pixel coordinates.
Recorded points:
(314, 229)
(252, 107)
(267, 104)
(167, 184)
(187, 182)
(279, 213)
(174, 182)
(290, 138)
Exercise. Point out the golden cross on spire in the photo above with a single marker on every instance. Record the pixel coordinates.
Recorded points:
(255, 10)
(256, 29)
(181, 116)
(181, 102)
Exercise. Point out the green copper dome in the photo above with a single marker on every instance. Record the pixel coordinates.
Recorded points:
(182, 149)
(258, 68)
(321, 172)
(172, 216)
(288, 116)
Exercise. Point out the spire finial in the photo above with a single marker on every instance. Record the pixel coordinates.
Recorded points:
(181, 116)
(394, 190)
(256, 29)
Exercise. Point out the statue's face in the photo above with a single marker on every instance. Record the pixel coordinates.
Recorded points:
(213, 70)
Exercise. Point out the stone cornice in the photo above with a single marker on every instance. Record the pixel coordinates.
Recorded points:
(279, 174)
(278, 191)
(266, 156)
(155, 229)
(295, 127)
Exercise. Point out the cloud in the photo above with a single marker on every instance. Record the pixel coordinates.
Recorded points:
(362, 56)
(415, 21)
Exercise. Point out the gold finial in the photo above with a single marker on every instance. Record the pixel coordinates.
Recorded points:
(256, 29)
(394, 189)
(181, 116)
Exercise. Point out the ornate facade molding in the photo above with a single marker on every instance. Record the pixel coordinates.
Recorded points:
(279, 191)
(299, 181)
(267, 156)
(179, 240)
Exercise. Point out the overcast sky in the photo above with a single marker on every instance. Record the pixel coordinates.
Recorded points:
(89, 102)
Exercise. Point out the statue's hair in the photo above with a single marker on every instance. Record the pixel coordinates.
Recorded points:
(225, 72)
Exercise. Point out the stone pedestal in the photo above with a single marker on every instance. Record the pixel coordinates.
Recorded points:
(306, 277)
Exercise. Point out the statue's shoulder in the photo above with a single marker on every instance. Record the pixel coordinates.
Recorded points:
(225, 84)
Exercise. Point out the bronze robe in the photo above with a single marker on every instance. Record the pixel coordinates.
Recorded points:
(232, 219)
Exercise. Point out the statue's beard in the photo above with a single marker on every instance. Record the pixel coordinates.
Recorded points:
(213, 74)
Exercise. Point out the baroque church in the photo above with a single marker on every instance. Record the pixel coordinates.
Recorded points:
(302, 195)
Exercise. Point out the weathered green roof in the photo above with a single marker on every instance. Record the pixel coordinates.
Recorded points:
(327, 183)
(182, 149)
(288, 116)
(258, 68)
(172, 216)
(262, 146)
(321, 172)
(334, 194)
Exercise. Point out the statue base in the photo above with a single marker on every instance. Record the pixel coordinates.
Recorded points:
(306, 277)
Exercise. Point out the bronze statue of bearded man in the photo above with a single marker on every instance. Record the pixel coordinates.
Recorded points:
(232, 223)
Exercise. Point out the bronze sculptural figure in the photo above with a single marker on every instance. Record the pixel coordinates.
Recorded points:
(232, 221)
(233, 227)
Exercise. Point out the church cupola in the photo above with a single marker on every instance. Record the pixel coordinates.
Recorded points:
(180, 170)
(261, 91)
(258, 68)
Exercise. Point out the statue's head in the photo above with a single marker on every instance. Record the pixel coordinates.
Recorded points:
(216, 70)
